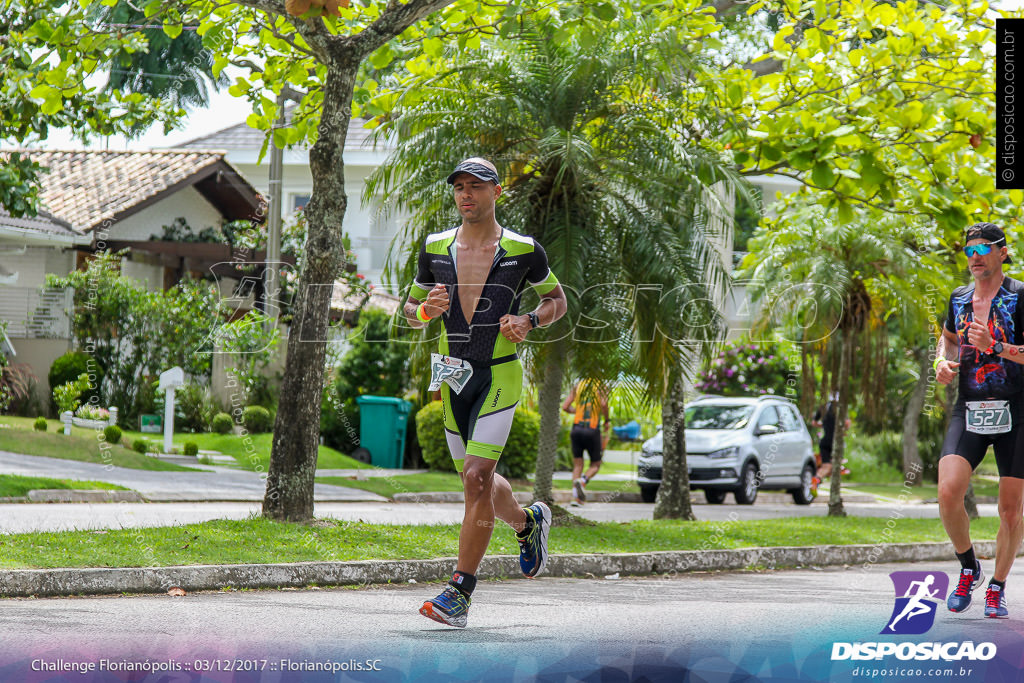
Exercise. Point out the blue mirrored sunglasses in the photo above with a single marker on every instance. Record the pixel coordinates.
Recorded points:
(979, 249)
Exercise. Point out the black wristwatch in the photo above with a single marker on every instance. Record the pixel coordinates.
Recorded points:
(534, 320)
(997, 348)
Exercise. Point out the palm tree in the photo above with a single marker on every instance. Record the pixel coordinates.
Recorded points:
(845, 275)
(178, 70)
(600, 164)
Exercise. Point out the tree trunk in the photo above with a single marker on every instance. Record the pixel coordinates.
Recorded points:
(912, 465)
(289, 494)
(549, 402)
(807, 385)
(835, 500)
(674, 493)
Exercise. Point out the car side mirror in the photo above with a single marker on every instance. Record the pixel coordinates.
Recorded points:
(766, 429)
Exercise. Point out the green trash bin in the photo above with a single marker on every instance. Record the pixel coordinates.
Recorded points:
(382, 425)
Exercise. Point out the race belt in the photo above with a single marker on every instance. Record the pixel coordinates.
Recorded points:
(454, 372)
(989, 417)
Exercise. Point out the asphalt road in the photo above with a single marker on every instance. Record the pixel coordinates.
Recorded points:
(771, 626)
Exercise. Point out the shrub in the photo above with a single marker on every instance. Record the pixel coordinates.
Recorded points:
(430, 432)
(140, 445)
(112, 434)
(40, 424)
(747, 370)
(222, 423)
(517, 460)
(70, 367)
(191, 448)
(256, 419)
(193, 408)
(520, 455)
(66, 396)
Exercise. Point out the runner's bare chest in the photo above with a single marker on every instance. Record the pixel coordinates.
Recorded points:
(472, 266)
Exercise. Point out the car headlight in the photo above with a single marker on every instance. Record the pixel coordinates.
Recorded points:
(730, 452)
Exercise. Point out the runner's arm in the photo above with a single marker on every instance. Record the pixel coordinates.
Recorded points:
(424, 290)
(567, 406)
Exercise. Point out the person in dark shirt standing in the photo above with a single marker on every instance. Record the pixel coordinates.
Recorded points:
(825, 418)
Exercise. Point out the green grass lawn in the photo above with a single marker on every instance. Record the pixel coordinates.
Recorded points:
(258, 540)
(449, 481)
(982, 487)
(250, 455)
(17, 486)
(81, 445)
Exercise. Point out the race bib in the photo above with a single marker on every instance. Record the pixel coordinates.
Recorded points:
(988, 417)
(455, 372)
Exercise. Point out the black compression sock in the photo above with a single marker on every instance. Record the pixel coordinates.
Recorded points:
(968, 560)
(463, 582)
(1001, 584)
(526, 529)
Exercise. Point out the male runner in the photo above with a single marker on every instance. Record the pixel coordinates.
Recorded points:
(981, 341)
(473, 275)
(590, 405)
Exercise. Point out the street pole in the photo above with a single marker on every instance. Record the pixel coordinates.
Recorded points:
(270, 289)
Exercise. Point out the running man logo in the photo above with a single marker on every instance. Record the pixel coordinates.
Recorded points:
(917, 595)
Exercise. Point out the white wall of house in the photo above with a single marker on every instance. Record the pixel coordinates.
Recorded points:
(149, 276)
(187, 203)
(370, 233)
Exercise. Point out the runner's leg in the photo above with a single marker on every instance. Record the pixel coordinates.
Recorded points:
(954, 477)
(1011, 524)
(478, 522)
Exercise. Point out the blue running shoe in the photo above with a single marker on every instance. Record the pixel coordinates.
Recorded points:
(995, 602)
(451, 607)
(533, 550)
(960, 598)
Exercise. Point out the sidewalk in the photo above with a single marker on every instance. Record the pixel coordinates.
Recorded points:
(212, 483)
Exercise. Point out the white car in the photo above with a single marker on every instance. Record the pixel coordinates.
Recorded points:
(739, 445)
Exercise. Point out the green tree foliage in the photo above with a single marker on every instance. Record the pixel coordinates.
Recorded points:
(885, 104)
(175, 68)
(51, 53)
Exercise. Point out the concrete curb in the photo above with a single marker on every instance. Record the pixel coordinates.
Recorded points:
(83, 496)
(59, 582)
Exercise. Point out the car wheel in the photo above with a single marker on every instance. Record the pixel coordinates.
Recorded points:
(746, 493)
(714, 496)
(648, 492)
(804, 495)
(362, 455)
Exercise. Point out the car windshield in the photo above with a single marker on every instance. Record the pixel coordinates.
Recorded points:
(718, 416)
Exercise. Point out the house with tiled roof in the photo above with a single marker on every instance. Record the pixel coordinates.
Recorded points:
(370, 231)
(94, 200)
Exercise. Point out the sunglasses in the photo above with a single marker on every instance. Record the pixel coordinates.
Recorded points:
(979, 249)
